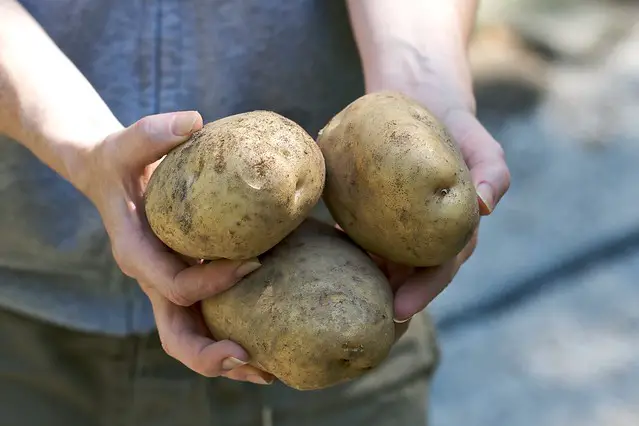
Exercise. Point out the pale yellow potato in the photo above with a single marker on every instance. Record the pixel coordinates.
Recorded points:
(235, 188)
(396, 182)
(317, 313)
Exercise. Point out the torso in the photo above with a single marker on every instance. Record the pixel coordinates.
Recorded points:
(219, 57)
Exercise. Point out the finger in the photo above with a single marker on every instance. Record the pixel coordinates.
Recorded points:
(184, 285)
(400, 329)
(172, 276)
(183, 339)
(248, 373)
(426, 284)
(381, 263)
(150, 138)
(485, 159)
(394, 272)
(189, 260)
(398, 274)
(142, 256)
(491, 179)
(199, 282)
(420, 289)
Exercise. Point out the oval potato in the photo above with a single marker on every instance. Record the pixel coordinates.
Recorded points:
(396, 182)
(236, 188)
(317, 313)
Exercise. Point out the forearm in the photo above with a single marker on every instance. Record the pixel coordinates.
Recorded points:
(46, 104)
(414, 40)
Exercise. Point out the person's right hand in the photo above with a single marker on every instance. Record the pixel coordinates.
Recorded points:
(118, 171)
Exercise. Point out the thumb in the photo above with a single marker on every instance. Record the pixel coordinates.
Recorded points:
(485, 159)
(150, 138)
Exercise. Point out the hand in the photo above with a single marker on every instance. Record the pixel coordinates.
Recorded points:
(415, 288)
(444, 88)
(118, 170)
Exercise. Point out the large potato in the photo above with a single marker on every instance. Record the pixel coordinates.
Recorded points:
(317, 313)
(235, 188)
(396, 182)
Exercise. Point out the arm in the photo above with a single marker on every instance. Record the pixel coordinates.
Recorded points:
(46, 104)
(454, 17)
(410, 44)
(419, 47)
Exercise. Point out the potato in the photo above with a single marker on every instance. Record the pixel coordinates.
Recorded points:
(396, 182)
(236, 188)
(317, 313)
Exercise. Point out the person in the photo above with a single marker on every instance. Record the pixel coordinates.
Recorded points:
(98, 319)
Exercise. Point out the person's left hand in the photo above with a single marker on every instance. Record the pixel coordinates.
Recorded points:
(446, 91)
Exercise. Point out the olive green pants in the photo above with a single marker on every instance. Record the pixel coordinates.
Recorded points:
(54, 376)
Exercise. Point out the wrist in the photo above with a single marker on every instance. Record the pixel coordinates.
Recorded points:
(71, 149)
(418, 47)
(435, 75)
(53, 111)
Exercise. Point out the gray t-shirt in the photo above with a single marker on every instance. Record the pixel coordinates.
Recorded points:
(219, 57)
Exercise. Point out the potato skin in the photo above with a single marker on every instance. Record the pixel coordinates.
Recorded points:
(317, 313)
(236, 188)
(396, 182)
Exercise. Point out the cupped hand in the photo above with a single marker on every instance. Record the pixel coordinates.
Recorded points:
(119, 169)
(450, 98)
(415, 288)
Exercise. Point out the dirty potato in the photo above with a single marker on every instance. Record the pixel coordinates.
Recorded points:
(317, 313)
(396, 182)
(236, 188)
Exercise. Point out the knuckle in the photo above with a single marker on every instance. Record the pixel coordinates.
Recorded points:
(499, 151)
(123, 260)
(205, 368)
(143, 125)
(449, 278)
(166, 348)
(217, 284)
(177, 296)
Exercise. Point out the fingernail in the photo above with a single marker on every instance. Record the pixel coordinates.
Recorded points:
(183, 123)
(485, 192)
(400, 321)
(258, 380)
(231, 362)
(247, 267)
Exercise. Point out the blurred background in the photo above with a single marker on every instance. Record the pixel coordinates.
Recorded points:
(541, 326)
